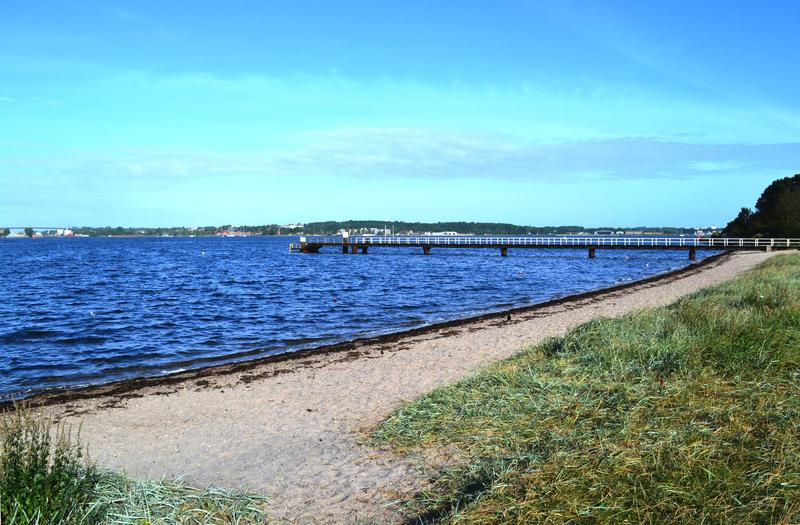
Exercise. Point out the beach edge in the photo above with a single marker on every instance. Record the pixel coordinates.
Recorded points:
(63, 395)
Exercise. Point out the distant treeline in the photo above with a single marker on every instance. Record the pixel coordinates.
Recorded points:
(118, 231)
(477, 228)
(366, 226)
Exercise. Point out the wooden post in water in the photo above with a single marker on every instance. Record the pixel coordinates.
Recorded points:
(344, 249)
(591, 253)
(692, 254)
(354, 249)
(364, 250)
(426, 250)
(504, 251)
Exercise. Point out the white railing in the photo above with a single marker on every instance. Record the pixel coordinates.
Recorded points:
(633, 242)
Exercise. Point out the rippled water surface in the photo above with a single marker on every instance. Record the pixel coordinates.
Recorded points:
(78, 311)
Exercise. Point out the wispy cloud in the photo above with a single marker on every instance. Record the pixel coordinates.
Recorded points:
(378, 154)
(118, 12)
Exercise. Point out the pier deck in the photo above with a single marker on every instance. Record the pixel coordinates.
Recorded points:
(362, 243)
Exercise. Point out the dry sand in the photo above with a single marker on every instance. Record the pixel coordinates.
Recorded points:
(294, 429)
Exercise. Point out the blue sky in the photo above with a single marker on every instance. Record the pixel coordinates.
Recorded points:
(196, 113)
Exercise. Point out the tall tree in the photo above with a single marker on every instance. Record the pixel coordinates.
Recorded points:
(741, 225)
(778, 207)
(777, 212)
(29, 232)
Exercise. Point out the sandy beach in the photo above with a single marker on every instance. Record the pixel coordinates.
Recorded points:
(294, 429)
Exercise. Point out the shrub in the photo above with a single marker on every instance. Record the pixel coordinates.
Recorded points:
(44, 477)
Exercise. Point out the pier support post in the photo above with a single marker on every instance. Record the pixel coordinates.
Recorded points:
(426, 250)
(591, 253)
(344, 249)
(354, 249)
(692, 254)
(364, 250)
(504, 251)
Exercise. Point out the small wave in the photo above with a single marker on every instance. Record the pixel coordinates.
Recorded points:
(302, 341)
(81, 340)
(25, 335)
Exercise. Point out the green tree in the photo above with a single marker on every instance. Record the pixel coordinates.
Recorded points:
(29, 232)
(5, 232)
(741, 225)
(777, 212)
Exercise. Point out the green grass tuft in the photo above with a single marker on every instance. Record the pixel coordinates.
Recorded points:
(128, 502)
(45, 480)
(684, 414)
(43, 477)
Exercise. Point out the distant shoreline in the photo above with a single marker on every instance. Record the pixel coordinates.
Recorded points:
(119, 388)
(213, 236)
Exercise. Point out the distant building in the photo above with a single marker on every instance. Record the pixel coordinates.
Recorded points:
(234, 233)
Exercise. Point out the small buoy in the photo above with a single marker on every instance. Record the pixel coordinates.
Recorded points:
(91, 313)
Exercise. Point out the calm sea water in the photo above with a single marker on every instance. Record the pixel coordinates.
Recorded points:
(81, 311)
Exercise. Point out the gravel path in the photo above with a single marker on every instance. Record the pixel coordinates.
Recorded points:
(294, 429)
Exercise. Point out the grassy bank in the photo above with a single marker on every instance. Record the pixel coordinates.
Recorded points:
(683, 414)
(46, 480)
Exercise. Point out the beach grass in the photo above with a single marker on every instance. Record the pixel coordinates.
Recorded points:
(45, 479)
(688, 413)
(43, 476)
(129, 502)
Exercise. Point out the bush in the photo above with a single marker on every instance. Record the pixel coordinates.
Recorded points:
(44, 477)
(46, 480)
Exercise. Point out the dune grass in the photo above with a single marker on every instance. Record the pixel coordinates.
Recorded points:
(46, 480)
(684, 414)
(43, 476)
(128, 502)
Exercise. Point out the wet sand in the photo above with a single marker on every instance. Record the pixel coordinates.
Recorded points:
(293, 428)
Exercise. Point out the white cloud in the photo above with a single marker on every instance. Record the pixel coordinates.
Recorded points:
(710, 165)
(380, 153)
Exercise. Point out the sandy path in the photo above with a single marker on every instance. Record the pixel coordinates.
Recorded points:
(292, 429)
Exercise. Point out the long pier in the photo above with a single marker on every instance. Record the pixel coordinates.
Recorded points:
(362, 243)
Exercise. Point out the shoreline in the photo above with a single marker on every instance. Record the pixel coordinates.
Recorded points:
(297, 430)
(62, 395)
